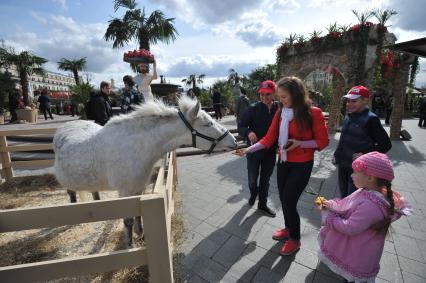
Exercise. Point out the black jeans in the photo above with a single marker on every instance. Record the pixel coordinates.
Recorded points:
(263, 162)
(346, 184)
(422, 121)
(217, 112)
(45, 111)
(292, 178)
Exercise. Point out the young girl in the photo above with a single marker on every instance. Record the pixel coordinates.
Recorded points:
(354, 231)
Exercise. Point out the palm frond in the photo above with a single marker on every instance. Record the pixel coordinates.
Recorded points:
(129, 4)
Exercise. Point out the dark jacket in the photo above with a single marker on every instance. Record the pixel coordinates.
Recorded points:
(361, 132)
(100, 108)
(422, 108)
(44, 101)
(257, 118)
(216, 97)
(13, 101)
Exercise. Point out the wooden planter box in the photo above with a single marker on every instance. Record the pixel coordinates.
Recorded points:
(27, 115)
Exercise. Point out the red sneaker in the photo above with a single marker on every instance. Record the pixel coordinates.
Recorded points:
(290, 247)
(281, 234)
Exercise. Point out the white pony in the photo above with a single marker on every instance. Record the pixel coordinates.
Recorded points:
(121, 155)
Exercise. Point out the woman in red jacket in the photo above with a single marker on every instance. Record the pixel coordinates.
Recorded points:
(299, 130)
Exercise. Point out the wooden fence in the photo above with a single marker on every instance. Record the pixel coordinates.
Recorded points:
(156, 209)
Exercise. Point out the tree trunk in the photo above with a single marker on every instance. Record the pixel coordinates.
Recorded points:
(76, 78)
(24, 84)
(398, 91)
(334, 114)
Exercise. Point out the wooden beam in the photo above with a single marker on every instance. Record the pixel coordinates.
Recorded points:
(16, 148)
(53, 269)
(45, 131)
(70, 214)
(32, 163)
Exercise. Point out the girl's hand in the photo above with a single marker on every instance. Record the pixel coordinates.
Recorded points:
(240, 152)
(295, 143)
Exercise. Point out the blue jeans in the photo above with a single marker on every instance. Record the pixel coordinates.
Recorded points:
(260, 162)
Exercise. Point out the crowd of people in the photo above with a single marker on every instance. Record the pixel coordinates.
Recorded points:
(354, 226)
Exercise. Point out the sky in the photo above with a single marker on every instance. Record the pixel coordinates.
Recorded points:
(214, 36)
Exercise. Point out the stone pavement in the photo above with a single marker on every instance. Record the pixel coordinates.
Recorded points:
(228, 241)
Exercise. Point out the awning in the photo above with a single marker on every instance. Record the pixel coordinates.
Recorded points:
(415, 47)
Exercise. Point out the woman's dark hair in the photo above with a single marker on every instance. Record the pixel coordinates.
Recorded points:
(128, 80)
(300, 101)
(243, 91)
(383, 226)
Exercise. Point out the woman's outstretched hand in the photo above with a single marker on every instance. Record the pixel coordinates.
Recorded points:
(240, 152)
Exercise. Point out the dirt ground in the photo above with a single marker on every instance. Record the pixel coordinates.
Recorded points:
(66, 241)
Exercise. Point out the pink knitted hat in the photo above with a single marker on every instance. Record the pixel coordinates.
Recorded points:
(375, 164)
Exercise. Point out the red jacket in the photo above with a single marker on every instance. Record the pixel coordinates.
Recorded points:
(318, 133)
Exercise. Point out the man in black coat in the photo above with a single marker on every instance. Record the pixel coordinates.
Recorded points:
(216, 97)
(254, 125)
(100, 109)
(422, 113)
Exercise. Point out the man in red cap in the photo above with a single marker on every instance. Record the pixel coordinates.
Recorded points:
(362, 132)
(253, 125)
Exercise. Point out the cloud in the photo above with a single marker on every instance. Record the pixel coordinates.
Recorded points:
(210, 66)
(410, 14)
(259, 33)
(208, 12)
(62, 3)
(284, 5)
(38, 17)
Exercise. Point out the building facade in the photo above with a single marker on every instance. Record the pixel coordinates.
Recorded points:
(54, 82)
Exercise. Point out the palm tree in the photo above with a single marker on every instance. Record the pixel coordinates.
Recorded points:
(193, 80)
(233, 77)
(74, 66)
(135, 25)
(362, 17)
(26, 64)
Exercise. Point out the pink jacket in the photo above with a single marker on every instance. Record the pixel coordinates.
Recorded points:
(348, 245)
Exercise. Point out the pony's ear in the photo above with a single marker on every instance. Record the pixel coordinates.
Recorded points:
(193, 112)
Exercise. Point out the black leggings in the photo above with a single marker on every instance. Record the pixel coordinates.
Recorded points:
(292, 178)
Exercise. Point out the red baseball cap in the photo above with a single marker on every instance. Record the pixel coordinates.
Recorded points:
(357, 91)
(267, 87)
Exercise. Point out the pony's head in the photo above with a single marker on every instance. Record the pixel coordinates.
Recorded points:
(206, 133)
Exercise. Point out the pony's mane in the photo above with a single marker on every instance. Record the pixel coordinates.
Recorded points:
(155, 108)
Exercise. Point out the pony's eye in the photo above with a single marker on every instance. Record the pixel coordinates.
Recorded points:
(209, 124)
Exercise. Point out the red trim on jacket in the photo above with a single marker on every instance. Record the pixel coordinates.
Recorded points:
(318, 133)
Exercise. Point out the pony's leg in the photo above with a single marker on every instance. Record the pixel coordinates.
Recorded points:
(96, 196)
(139, 227)
(128, 223)
(73, 197)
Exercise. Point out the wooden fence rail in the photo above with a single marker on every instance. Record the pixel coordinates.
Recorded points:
(156, 210)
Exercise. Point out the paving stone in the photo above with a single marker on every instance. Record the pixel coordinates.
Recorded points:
(417, 222)
(212, 233)
(228, 254)
(244, 269)
(323, 278)
(309, 239)
(389, 268)
(197, 279)
(411, 278)
(412, 266)
(265, 275)
(407, 247)
(298, 273)
(306, 258)
(208, 269)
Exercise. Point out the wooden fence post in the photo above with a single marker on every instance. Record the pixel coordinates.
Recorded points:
(157, 239)
(6, 170)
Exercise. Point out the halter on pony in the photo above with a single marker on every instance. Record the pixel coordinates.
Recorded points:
(195, 133)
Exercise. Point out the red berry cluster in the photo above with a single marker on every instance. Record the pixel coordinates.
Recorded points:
(138, 53)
